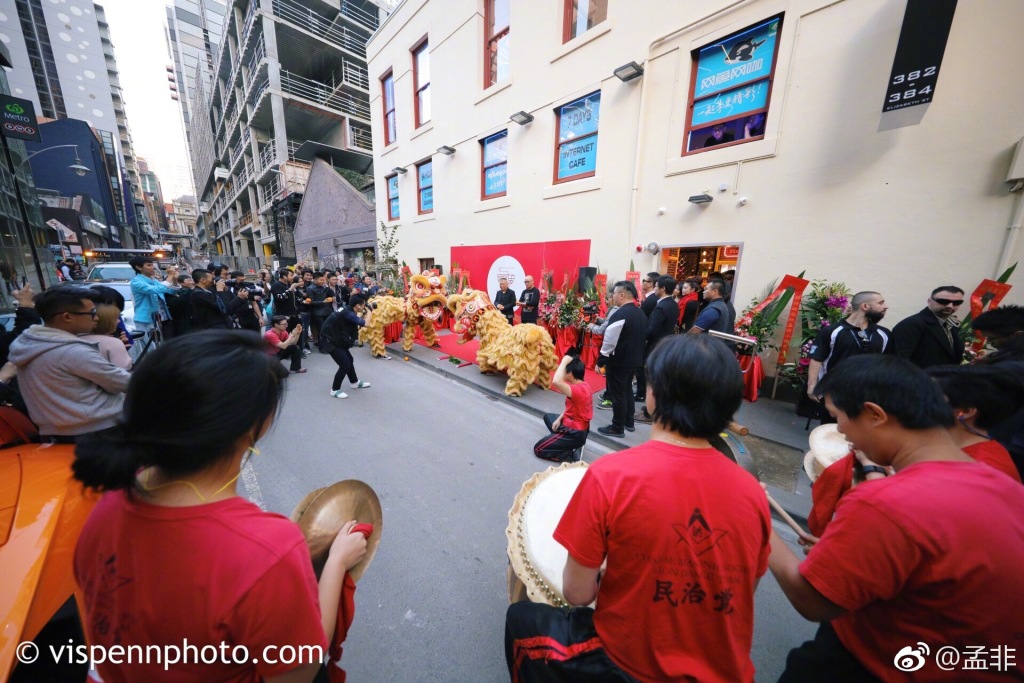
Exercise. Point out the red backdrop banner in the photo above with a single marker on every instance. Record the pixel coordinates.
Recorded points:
(515, 261)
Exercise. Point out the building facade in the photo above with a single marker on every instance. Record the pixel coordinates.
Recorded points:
(64, 63)
(290, 85)
(194, 30)
(696, 136)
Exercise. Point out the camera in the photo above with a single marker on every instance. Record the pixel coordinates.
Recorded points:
(371, 306)
(590, 308)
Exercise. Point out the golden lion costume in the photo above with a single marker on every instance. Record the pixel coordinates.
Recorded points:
(524, 351)
(421, 307)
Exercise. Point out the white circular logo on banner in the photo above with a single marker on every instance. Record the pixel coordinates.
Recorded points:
(509, 268)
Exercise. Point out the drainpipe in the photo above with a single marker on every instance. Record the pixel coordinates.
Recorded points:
(1012, 231)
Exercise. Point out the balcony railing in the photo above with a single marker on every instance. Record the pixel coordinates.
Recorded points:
(359, 15)
(250, 17)
(293, 147)
(257, 92)
(254, 62)
(361, 137)
(268, 156)
(326, 94)
(356, 75)
(321, 26)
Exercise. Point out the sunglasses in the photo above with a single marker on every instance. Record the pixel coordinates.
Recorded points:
(91, 312)
(948, 302)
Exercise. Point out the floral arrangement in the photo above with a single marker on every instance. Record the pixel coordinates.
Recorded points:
(824, 306)
(759, 327)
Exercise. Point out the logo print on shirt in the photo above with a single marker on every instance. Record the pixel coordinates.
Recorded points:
(698, 534)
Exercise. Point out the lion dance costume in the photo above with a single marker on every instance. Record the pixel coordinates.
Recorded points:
(524, 351)
(421, 307)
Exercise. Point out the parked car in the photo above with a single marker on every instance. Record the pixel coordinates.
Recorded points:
(42, 511)
(112, 270)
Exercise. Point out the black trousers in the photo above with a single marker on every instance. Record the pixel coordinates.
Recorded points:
(346, 367)
(293, 355)
(560, 444)
(824, 659)
(620, 391)
(538, 639)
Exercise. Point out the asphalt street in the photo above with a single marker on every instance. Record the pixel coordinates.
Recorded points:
(447, 463)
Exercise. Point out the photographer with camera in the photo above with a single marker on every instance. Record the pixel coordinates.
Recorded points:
(251, 317)
(338, 334)
(568, 431)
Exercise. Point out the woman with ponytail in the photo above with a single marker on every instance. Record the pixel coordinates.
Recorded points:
(172, 555)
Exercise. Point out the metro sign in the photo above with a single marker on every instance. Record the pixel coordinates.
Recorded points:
(18, 119)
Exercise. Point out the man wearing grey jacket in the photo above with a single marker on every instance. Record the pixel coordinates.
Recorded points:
(69, 387)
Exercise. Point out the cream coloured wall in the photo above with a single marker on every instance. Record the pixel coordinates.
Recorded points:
(828, 190)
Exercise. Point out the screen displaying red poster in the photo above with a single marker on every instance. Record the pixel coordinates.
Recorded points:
(514, 262)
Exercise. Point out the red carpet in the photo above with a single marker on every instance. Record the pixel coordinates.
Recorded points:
(467, 354)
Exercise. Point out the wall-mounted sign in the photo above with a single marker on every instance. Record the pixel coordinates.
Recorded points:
(66, 234)
(915, 68)
(18, 119)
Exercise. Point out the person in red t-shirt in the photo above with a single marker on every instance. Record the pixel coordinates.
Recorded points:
(931, 554)
(982, 396)
(568, 431)
(284, 346)
(671, 537)
(172, 557)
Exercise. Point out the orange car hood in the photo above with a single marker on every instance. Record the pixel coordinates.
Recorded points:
(42, 511)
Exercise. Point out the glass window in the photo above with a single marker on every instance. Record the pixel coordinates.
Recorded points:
(494, 156)
(393, 212)
(583, 15)
(496, 40)
(577, 138)
(421, 83)
(425, 186)
(731, 90)
(388, 98)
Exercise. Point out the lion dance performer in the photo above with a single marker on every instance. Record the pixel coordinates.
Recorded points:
(524, 351)
(421, 307)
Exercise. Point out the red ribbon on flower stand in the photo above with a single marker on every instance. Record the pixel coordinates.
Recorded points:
(565, 340)
(753, 375)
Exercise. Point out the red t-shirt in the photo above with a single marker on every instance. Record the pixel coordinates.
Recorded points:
(223, 572)
(579, 408)
(993, 454)
(273, 338)
(686, 535)
(932, 554)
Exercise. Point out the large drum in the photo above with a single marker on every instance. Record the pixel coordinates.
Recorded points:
(536, 560)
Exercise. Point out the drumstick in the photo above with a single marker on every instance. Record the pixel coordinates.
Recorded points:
(785, 516)
(737, 428)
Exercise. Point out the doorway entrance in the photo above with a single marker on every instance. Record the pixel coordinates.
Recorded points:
(700, 261)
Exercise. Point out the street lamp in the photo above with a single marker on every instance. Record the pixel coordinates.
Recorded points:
(77, 167)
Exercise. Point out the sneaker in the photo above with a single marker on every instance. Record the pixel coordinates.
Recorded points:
(604, 405)
(383, 357)
(305, 353)
(611, 431)
(638, 398)
(361, 385)
(339, 394)
(642, 418)
(298, 372)
(630, 428)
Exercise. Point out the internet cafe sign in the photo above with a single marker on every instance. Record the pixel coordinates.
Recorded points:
(18, 119)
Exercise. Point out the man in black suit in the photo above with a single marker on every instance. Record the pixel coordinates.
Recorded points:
(209, 310)
(661, 323)
(622, 353)
(505, 300)
(648, 287)
(932, 336)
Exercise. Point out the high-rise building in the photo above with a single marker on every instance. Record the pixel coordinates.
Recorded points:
(194, 29)
(289, 85)
(64, 63)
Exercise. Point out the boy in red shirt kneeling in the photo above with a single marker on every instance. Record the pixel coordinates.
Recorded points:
(570, 429)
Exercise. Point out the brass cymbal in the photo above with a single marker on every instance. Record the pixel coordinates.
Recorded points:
(330, 510)
(300, 509)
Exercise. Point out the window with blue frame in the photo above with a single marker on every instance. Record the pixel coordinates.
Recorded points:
(494, 160)
(425, 186)
(731, 86)
(393, 211)
(576, 151)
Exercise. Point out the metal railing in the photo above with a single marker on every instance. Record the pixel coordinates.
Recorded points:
(254, 62)
(257, 93)
(268, 156)
(360, 137)
(321, 26)
(293, 147)
(354, 74)
(359, 15)
(326, 94)
(250, 17)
